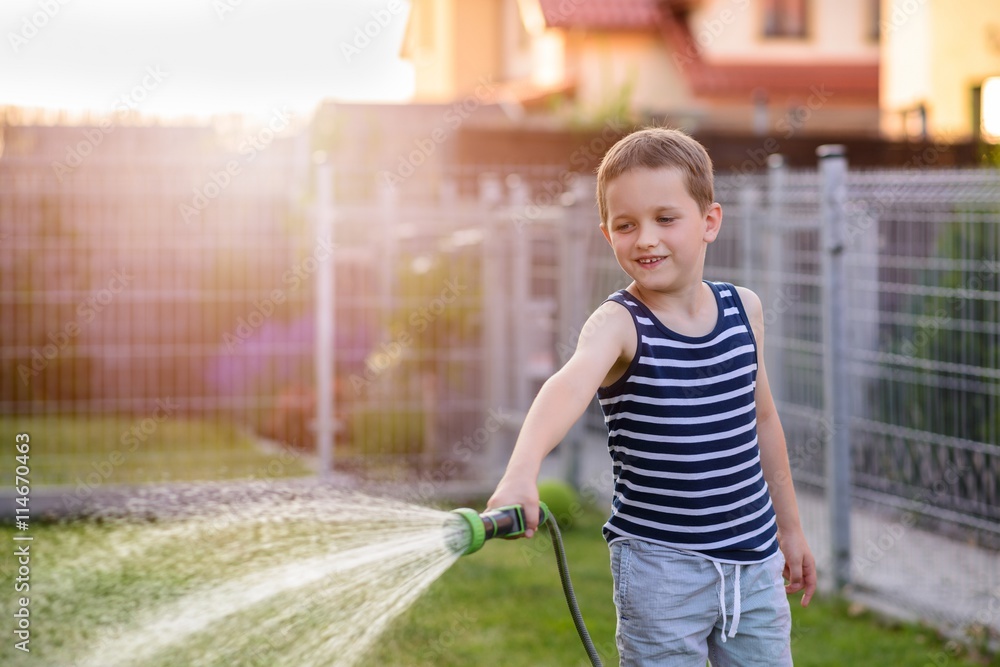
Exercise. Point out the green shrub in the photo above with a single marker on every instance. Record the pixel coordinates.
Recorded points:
(563, 501)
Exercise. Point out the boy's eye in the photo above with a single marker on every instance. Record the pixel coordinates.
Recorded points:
(623, 226)
(664, 218)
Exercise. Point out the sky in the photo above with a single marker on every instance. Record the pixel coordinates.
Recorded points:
(201, 57)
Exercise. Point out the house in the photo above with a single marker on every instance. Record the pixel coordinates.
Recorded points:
(937, 57)
(746, 66)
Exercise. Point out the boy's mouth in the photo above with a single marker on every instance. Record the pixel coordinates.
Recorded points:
(651, 261)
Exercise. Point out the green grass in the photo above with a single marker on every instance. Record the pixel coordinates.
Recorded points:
(500, 606)
(113, 450)
(504, 606)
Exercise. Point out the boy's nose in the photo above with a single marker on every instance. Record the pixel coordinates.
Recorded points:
(646, 238)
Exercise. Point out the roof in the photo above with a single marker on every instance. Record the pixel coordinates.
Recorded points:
(848, 82)
(855, 81)
(601, 14)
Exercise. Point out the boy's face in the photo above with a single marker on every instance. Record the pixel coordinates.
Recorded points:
(656, 229)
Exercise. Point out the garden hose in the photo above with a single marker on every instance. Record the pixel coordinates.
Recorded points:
(509, 522)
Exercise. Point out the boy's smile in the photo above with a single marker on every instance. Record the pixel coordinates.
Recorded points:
(657, 230)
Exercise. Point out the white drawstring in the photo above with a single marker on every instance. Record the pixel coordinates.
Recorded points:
(722, 600)
(736, 603)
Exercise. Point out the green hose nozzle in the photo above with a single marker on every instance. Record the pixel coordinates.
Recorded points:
(499, 522)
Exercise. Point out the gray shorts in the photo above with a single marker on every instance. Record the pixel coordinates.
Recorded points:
(679, 609)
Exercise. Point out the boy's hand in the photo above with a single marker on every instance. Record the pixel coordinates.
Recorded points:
(800, 566)
(518, 492)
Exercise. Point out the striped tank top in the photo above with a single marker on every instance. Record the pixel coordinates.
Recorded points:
(682, 432)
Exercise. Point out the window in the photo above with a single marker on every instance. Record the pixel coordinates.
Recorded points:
(784, 18)
(989, 109)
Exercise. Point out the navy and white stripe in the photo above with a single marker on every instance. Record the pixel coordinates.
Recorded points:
(682, 432)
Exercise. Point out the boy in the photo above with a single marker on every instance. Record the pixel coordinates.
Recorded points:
(704, 521)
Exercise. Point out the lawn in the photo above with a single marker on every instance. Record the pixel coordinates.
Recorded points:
(116, 450)
(504, 606)
(500, 606)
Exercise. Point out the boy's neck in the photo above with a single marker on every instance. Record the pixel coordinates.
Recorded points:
(691, 311)
(688, 300)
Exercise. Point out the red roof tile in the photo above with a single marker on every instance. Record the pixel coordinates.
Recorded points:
(601, 14)
(858, 82)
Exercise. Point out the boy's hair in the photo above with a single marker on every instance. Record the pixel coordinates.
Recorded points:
(656, 148)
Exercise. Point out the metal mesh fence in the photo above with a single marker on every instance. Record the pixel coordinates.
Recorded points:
(150, 305)
(161, 315)
(928, 411)
(159, 322)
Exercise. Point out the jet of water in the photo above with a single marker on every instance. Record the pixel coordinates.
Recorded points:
(275, 576)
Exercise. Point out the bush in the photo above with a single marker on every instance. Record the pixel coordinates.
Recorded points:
(563, 502)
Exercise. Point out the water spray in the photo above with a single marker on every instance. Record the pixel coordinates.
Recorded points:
(474, 528)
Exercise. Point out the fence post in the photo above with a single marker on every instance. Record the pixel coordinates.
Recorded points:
(323, 307)
(774, 260)
(496, 318)
(833, 218)
(520, 296)
(749, 204)
(572, 310)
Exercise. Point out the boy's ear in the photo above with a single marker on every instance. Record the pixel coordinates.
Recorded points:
(607, 234)
(713, 222)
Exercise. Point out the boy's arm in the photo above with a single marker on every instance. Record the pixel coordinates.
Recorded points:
(560, 402)
(800, 566)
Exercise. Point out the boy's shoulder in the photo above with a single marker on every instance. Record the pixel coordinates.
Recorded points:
(752, 306)
(612, 317)
(749, 298)
(614, 309)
